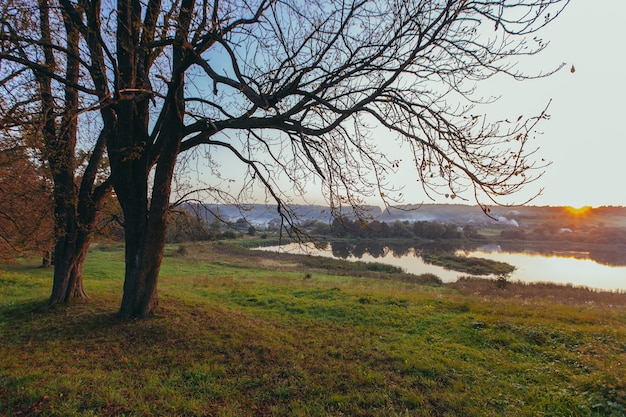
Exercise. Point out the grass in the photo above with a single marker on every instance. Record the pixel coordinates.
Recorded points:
(468, 264)
(245, 333)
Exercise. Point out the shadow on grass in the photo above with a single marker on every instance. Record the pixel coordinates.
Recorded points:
(34, 319)
(94, 325)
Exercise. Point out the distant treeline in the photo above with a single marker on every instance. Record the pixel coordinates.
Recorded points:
(186, 226)
(554, 232)
(343, 227)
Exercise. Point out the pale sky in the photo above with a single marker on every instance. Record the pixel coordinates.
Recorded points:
(586, 136)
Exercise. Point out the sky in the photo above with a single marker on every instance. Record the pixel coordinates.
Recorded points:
(585, 138)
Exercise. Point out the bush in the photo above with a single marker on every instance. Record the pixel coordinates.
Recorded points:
(181, 251)
(229, 234)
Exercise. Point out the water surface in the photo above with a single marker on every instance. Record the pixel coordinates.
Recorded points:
(564, 267)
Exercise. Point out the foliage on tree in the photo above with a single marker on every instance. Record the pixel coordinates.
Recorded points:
(290, 89)
(432, 230)
(25, 203)
(185, 226)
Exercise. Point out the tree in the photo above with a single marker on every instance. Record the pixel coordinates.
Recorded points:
(291, 89)
(184, 225)
(25, 203)
(41, 71)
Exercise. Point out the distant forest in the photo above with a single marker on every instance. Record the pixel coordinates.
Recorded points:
(605, 225)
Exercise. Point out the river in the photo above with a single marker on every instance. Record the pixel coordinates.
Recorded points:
(566, 267)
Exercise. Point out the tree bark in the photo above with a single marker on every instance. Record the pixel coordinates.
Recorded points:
(144, 253)
(67, 282)
(146, 217)
(130, 178)
(75, 222)
(145, 222)
(140, 296)
(77, 200)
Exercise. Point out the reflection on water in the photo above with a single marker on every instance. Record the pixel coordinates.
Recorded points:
(602, 254)
(595, 268)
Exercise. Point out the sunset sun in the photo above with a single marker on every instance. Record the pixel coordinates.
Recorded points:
(578, 211)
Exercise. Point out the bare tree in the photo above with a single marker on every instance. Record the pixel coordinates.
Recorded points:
(41, 77)
(292, 89)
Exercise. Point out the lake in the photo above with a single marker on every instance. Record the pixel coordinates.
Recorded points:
(578, 268)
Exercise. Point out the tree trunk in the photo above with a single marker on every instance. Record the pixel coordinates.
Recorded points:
(145, 214)
(140, 296)
(144, 253)
(74, 230)
(76, 205)
(72, 241)
(69, 255)
(145, 229)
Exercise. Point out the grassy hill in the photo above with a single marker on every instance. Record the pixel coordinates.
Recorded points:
(245, 333)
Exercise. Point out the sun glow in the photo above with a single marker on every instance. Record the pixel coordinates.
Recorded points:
(578, 211)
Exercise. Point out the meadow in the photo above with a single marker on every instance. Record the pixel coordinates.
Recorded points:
(249, 333)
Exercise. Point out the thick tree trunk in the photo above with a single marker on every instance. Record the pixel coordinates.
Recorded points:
(140, 296)
(146, 229)
(69, 255)
(73, 239)
(145, 215)
(75, 208)
(75, 221)
(144, 253)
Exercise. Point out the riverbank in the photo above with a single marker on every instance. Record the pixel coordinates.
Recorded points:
(250, 333)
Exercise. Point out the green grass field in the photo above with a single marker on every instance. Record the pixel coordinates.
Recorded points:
(246, 333)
